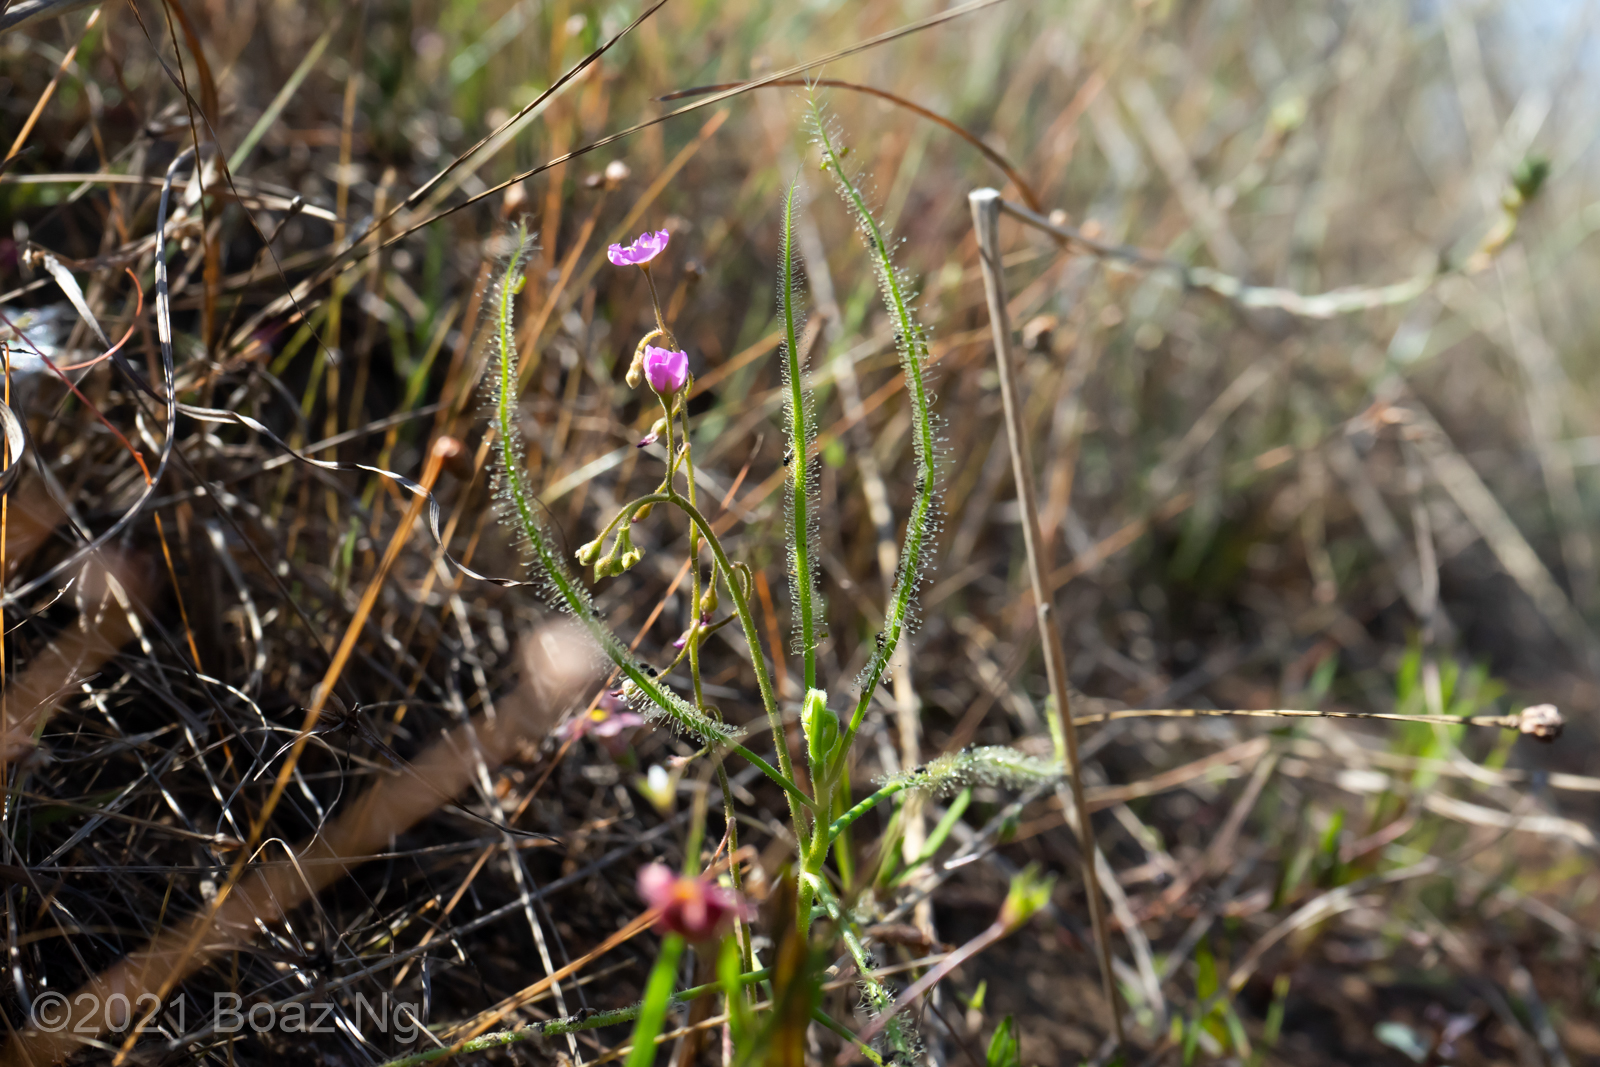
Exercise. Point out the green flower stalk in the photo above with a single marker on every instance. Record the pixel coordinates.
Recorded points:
(652, 698)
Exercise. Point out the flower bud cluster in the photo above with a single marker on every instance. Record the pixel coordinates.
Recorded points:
(622, 556)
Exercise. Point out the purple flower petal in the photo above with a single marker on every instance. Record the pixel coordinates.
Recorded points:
(615, 724)
(656, 881)
(665, 369)
(646, 246)
(697, 908)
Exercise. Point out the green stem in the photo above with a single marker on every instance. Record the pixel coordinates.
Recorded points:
(843, 1031)
(576, 599)
(741, 933)
(796, 794)
(747, 619)
(693, 643)
(845, 821)
(627, 511)
(655, 303)
(877, 996)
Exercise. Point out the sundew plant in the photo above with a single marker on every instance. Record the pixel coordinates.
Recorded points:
(691, 906)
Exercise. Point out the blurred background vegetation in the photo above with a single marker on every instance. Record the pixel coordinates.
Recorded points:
(1386, 510)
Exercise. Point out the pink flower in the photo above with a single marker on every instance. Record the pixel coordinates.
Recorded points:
(665, 369)
(694, 907)
(605, 723)
(646, 246)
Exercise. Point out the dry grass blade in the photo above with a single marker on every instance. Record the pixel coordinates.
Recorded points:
(715, 98)
(986, 220)
(897, 100)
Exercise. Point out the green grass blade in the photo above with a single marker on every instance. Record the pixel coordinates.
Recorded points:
(279, 102)
(657, 999)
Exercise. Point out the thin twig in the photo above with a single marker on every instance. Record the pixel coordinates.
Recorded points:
(986, 221)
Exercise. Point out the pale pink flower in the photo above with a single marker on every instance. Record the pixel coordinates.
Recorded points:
(666, 370)
(646, 246)
(606, 723)
(696, 908)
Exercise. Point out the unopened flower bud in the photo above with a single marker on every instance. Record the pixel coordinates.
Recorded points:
(1029, 892)
(659, 787)
(709, 601)
(659, 428)
(590, 552)
(622, 556)
(821, 727)
(643, 512)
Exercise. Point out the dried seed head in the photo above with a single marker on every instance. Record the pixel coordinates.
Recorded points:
(1542, 721)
